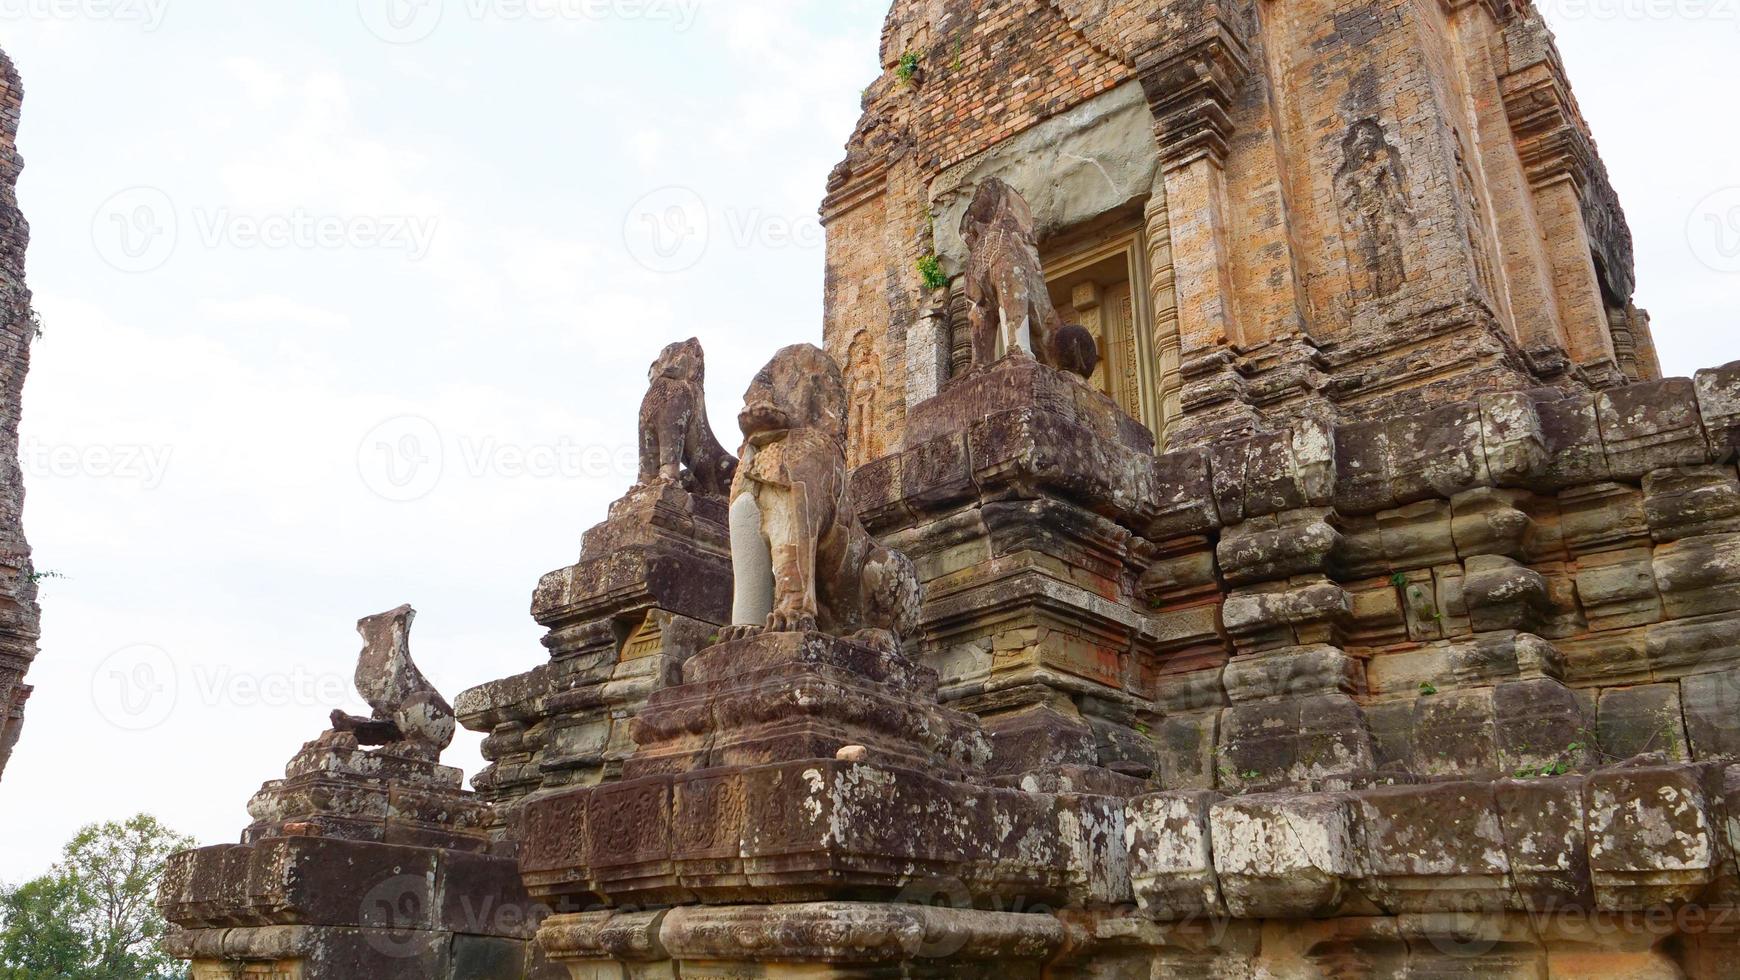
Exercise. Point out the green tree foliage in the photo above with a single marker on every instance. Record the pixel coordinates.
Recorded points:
(92, 916)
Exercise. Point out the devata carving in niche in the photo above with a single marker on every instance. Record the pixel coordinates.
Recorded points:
(801, 559)
(1372, 183)
(677, 444)
(1475, 219)
(1005, 286)
(864, 369)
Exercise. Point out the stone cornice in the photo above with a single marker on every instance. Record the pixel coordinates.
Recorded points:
(1190, 87)
(1549, 140)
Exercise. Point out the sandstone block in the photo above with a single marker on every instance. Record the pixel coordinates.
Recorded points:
(1699, 576)
(1719, 405)
(1515, 441)
(1502, 594)
(1277, 547)
(1437, 848)
(1617, 589)
(1711, 704)
(1545, 843)
(1171, 853)
(1184, 491)
(1636, 721)
(1286, 856)
(1652, 836)
(1492, 522)
(1691, 501)
(1651, 426)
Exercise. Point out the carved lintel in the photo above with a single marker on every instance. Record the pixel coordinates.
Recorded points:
(1190, 88)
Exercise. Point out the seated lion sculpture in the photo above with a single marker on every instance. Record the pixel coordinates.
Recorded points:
(1005, 287)
(801, 558)
(677, 444)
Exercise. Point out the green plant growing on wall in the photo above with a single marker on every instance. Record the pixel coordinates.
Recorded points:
(910, 64)
(931, 271)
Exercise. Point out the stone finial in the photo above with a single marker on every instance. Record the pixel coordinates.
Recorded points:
(410, 718)
(1005, 286)
(801, 558)
(677, 444)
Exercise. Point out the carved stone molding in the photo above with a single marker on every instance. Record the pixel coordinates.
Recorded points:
(1191, 86)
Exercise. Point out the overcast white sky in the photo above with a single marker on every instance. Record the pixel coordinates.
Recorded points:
(344, 310)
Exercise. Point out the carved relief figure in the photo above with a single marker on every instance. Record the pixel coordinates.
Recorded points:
(1005, 286)
(801, 558)
(1476, 215)
(864, 378)
(677, 444)
(411, 718)
(1372, 183)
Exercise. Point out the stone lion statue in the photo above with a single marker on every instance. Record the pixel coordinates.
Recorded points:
(1005, 287)
(677, 444)
(801, 558)
(411, 718)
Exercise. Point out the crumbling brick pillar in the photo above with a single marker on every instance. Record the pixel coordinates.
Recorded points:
(20, 617)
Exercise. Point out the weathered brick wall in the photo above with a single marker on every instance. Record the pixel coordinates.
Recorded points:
(19, 615)
(990, 71)
(1370, 203)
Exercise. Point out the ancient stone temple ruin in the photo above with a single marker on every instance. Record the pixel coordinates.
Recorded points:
(20, 618)
(1235, 527)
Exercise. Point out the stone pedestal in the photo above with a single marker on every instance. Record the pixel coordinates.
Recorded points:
(652, 587)
(358, 864)
(735, 795)
(1024, 497)
(334, 788)
(815, 941)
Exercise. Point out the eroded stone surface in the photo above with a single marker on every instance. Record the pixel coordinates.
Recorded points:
(1346, 680)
